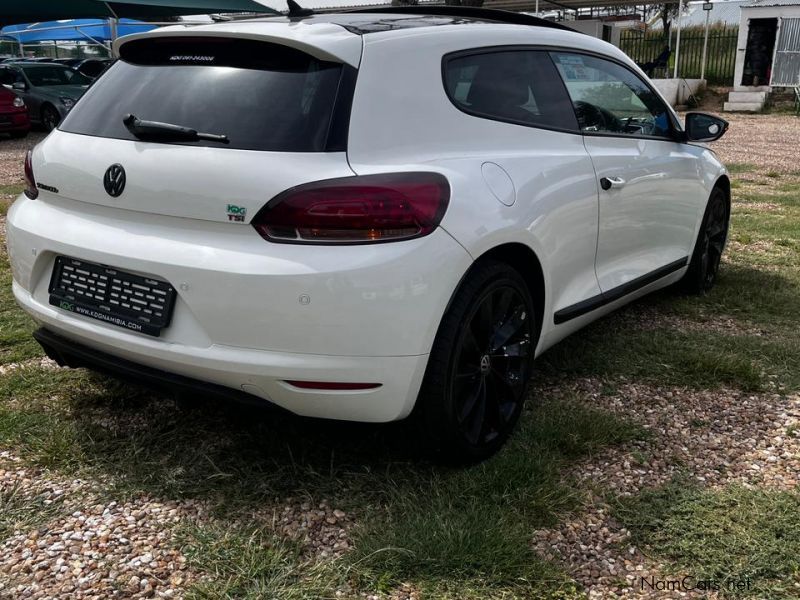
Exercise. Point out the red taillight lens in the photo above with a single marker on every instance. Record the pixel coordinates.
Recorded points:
(31, 191)
(356, 210)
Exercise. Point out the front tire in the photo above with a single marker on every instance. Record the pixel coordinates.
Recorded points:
(50, 118)
(704, 265)
(477, 376)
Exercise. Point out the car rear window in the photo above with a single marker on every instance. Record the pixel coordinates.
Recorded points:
(262, 96)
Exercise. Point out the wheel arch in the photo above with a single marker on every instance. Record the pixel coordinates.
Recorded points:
(524, 260)
(45, 105)
(724, 183)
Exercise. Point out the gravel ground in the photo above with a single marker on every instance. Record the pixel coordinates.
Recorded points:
(12, 155)
(717, 438)
(96, 547)
(766, 141)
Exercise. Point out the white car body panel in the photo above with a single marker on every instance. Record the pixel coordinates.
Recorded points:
(242, 177)
(253, 314)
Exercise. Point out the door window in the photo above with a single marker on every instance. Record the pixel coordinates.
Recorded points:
(517, 86)
(608, 98)
(9, 77)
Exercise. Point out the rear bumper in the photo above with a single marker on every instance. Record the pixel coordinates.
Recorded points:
(14, 121)
(67, 353)
(244, 373)
(251, 315)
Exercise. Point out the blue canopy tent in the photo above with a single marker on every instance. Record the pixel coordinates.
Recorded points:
(30, 11)
(74, 30)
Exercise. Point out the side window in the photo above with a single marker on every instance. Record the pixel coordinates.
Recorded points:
(517, 86)
(610, 98)
(7, 76)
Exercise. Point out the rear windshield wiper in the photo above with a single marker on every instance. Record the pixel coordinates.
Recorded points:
(167, 131)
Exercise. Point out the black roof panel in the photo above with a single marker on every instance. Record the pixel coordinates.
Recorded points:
(374, 20)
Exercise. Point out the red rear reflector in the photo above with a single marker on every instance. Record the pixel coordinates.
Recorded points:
(356, 210)
(333, 385)
(31, 191)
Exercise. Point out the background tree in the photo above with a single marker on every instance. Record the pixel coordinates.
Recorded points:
(668, 12)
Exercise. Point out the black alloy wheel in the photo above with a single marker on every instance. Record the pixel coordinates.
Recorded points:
(492, 364)
(705, 263)
(477, 378)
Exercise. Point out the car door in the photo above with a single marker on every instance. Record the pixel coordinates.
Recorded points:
(650, 191)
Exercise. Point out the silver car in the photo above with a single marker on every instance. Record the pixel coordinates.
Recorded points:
(50, 90)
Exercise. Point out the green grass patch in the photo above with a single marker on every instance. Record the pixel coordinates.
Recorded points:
(16, 343)
(21, 512)
(252, 563)
(724, 536)
(668, 356)
(738, 168)
(790, 186)
(475, 525)
(12, 190)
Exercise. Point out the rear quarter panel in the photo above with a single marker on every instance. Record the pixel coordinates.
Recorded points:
(402, 120)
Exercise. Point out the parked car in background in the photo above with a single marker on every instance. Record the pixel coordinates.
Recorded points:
(14, 117)
(49, 90)
(90, 67)
(362, 216)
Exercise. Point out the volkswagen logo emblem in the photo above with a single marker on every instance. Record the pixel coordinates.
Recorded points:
(114, 181)
(486, 364)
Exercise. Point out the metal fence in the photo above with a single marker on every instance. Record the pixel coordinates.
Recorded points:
(644, 47)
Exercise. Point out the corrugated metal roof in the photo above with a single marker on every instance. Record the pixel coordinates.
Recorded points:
(762, 3)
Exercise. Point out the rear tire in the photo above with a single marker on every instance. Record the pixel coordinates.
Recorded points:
(18, 135)
(478, 371)
(704, 265)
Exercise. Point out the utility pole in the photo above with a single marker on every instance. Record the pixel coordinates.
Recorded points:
(707, 6)
(678, 40)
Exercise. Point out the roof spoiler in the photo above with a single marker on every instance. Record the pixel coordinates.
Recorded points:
(486, 14)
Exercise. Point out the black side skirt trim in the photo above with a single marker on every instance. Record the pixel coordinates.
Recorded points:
(590, 304)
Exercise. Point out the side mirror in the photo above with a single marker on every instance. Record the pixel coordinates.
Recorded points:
(702, 127)
(19, 86)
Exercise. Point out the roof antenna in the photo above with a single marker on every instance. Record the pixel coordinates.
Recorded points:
(295, 10)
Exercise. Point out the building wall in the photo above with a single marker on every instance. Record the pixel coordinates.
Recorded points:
(594, 28)
(758, 12)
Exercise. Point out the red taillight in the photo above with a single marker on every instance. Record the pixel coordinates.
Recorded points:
(333, 385)
(356, 210)
(31, 191)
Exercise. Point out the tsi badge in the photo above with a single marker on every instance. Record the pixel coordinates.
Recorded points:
(236, 213)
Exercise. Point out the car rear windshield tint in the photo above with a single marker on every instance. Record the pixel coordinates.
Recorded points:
(261, 96)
